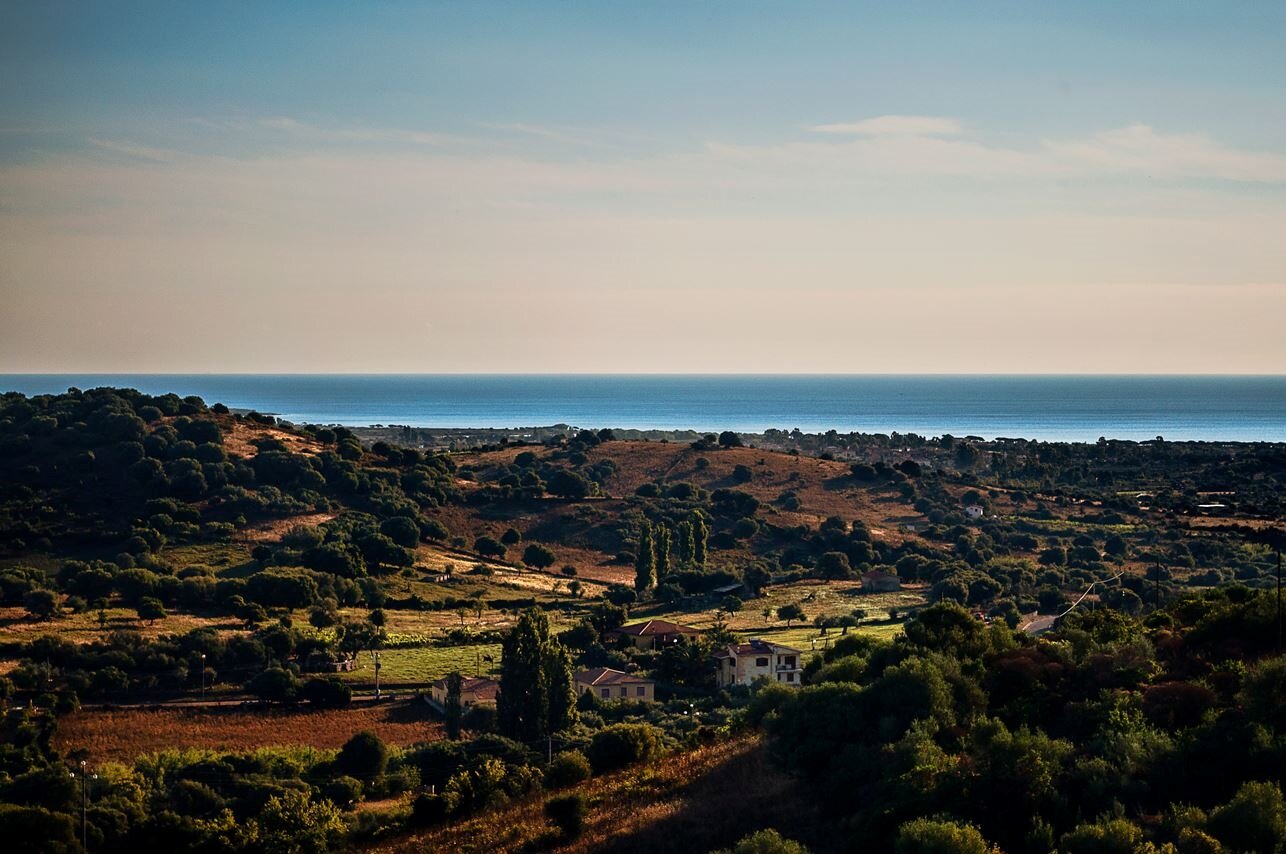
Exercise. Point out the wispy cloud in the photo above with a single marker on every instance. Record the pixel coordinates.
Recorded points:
(131, 149)
(297, 128)
(895, 126)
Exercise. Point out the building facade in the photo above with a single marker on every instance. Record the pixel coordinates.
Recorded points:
(743, 663)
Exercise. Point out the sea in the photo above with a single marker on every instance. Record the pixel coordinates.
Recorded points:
(1049, 408)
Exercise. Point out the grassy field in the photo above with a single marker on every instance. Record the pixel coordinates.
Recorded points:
(124, 734)
(16, 625)
(424, 664)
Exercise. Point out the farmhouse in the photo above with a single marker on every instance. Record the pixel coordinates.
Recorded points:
(474, 691)
(975, 511)
(743, 663)
(880, 582)
(654, 633)
(608, 684)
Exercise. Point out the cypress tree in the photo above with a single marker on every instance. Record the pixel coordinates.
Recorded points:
(662, 552)
(454, 712)
(536, 695)
(645, 560)
(700, 540)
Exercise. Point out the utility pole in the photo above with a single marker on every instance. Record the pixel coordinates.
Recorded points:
(84, 802)
(549, 739)
(377, 675)
(203, 676)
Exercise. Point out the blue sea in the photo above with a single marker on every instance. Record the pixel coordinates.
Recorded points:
(1051, 408)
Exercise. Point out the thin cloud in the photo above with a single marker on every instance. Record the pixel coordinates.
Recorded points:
(142, 152)
(289, 125)
(895, 126)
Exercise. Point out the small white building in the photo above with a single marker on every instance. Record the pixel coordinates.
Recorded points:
(743, 663)
(974, 511)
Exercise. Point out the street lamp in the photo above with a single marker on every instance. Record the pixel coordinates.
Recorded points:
(377, 675)
(203, 676)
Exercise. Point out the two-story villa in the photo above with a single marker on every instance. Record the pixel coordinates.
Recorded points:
(743, 663)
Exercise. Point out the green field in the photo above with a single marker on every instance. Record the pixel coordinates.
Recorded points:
(424, 664)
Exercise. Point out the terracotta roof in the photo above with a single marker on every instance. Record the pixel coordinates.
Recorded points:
(755, 647)
(480, 686)
(655, 627)
(608, 676)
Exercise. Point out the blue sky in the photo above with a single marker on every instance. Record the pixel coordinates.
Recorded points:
(1020, 174)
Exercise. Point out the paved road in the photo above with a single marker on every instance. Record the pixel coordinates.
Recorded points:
(1039, 625)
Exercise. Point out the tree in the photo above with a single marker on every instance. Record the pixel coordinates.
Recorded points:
(926, 836)
(685, 544)
(791, 613)
(293, 822)
(1254, 820)
(645, 560)
(536, 696)
(454, 711)
(151, 609)
(834, 565)
(489, 547)
(700, 541)
(41, 604)
(767, 841)
(662, 549)
(329, 693)
(402, 530)
(568, 813)
(568, 484)
(538, 556)
(623, 744)
(729, 439)
(767, 613)
(274, 685)
(364, 756)
(568, 768)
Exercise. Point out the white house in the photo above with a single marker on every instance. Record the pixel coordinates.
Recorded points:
(743, 663)
(974, 511)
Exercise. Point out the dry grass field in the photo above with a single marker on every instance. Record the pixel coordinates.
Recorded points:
(692, 801)
(123, 734)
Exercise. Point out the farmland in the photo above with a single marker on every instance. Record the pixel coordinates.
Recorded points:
(124, 734)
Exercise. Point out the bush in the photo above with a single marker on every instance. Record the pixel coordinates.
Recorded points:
(567, 769)
(1254, 820)
(766, 841)
(329, 693)
(623, 744)
(568, 812)
(428, 810)
(343, 791)
(926, 836)
(363, 756)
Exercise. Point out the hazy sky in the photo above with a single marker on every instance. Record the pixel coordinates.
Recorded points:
(1025, 187)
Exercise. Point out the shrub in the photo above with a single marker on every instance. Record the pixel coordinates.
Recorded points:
(363, 756)
(343, 791)
(1254, 820)
(567, 769)
(623, 744)
(568, 812)
(329, 693)
(766, 841)
(926, 836)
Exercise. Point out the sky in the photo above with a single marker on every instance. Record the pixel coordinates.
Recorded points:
(708, 187)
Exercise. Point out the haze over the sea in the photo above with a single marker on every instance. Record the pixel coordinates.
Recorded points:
(1051, 408)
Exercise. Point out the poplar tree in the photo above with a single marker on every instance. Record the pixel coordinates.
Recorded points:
(662, 551)
(645, 560)
(700, 540)
(536, 695)
(686, 544)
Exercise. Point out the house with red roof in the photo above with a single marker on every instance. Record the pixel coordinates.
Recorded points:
(743, 663)
(654, 634)
(474, 691)
(608, 684)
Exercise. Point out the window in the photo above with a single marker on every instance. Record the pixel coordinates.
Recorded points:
(640, 691)
(607, 693)
(625, 692)
(790, 661)
(761, 662)
(790, 677)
